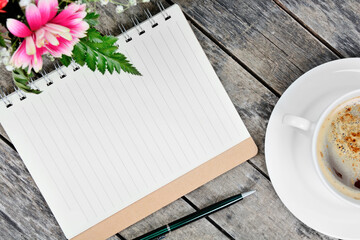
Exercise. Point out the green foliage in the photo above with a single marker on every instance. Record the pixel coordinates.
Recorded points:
(21, 79)
(91, 18)
(2, 41)
(99, 52)
(66, 60)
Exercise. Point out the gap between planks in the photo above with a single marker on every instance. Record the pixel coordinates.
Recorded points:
(242, 64)
(307, 28)
(250, 71)
(228, 52)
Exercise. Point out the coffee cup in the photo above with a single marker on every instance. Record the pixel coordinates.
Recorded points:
(335, 145)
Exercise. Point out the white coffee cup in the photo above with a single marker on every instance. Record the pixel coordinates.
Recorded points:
(313, 128)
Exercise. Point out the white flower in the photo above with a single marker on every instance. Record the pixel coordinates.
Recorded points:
(132, 2)
(119, 9)
(4, 52)
(9, 68)
(104, 2)
(5, 60)
(145, 1)
(79, 2)
(24, 3)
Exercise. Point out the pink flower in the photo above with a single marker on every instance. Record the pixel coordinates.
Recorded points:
(48, 33)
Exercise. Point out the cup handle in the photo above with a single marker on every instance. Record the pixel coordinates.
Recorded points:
(297, 122)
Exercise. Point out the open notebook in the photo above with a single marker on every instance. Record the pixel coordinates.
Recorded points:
(108, 150)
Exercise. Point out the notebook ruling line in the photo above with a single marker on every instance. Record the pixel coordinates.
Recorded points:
(108, 150)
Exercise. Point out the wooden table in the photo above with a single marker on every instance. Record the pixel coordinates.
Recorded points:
(258, 48)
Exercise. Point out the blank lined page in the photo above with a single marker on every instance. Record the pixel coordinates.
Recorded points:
(96, 143)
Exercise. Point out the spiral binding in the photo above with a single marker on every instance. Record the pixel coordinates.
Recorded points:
(163, 11)
(20, 93)
(58, 69)
(32, 85)
(8, 103)
(5, 98)
(46, 77)
(74, 65)
(150, 18)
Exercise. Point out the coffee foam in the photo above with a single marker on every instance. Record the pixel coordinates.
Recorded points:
(338, 148)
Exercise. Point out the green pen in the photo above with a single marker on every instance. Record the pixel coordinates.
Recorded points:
(193, 217)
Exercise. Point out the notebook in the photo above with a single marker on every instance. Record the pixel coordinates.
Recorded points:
(108, 150)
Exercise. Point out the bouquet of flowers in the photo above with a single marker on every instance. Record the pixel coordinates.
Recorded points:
(64, 29)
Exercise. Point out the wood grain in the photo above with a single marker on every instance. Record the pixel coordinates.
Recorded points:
(201, 229)
(337, 22)
(3, 133)
(252, 100)
(264, 217)
(259, 216)
(278, 50)
(23, 211)
(260, 35)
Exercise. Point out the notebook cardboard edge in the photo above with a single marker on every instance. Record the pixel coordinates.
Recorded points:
(171, 191)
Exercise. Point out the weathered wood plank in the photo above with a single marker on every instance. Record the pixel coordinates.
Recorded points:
(262, 36)
(337, 22)
(252, 100)
(260, 216)
(113, 238)
(3, 133)
(254, 103)
(201, 229)
(25, 214)
(23, 211)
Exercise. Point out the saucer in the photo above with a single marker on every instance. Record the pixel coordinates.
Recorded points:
(288, 150)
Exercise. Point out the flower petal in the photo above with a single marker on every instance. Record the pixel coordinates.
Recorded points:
(40, 37)
(66, 35)
(37, 62)
(65, 14)
(30, 46)
(17, 28)
(44, 9)
(56, 28)
(51, 38)
(53, 8)
(33, 17)
(20, 58)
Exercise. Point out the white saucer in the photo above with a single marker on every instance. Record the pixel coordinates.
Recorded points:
(288, 151)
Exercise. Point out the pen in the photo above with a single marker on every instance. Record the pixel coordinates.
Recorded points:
(193, 217)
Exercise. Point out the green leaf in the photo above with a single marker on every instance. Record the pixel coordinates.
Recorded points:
(108, 51)
(99, 52)
(91, 18)
(66, 60)
(20, 76)
(21, 79)
(79, 54)
(2, 41)
(91, 59)
(102, 64)
(26, 88)
(110, 40)
(110, 67)
(94, 36)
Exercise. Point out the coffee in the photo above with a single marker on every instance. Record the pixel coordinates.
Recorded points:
(338, 148)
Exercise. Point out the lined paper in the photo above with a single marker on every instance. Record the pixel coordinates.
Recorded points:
(96, 143)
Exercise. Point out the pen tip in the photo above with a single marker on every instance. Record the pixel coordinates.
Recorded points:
(245, 194)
